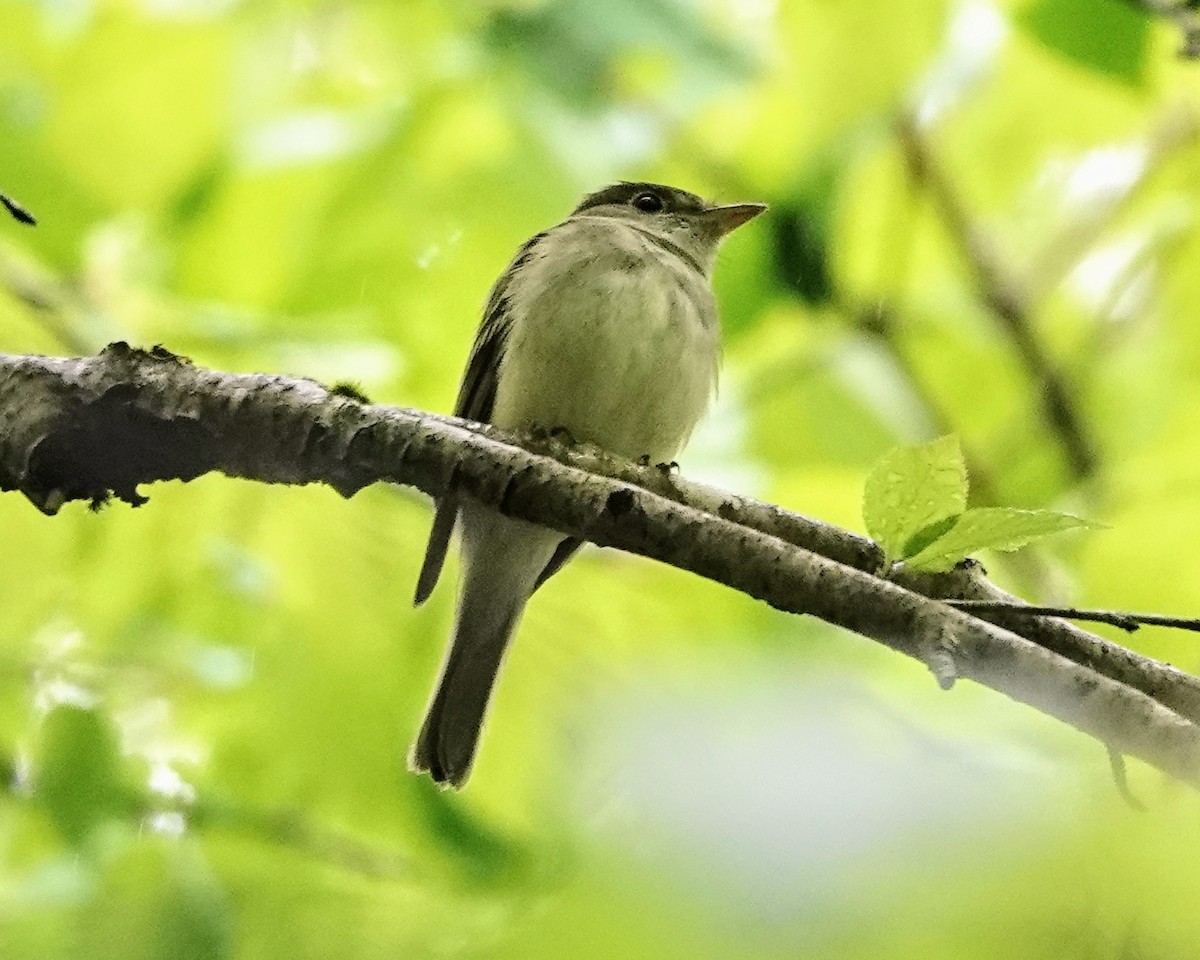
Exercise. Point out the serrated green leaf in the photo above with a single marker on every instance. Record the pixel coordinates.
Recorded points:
(992, 528)
(912, 489)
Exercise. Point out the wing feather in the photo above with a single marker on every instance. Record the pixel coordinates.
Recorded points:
(476, 397)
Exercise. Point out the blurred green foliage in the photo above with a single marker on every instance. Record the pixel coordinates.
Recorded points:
(205, 703)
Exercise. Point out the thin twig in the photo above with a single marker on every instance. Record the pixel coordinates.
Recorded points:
(1129, 622)
(54, 304)
(292, 829)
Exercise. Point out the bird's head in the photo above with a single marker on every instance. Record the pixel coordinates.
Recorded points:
(676, 215)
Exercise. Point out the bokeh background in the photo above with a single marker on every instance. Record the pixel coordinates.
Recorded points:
(205, 703)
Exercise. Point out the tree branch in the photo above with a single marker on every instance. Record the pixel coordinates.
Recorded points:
(1171, 687)
(1002, 296)
(92, 427)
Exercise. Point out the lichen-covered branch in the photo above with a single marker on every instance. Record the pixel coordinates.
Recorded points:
(94, 427)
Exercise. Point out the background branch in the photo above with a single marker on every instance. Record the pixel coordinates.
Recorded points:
(1002, 296)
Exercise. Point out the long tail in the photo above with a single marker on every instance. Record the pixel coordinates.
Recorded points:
(449, 736)
(502, 561)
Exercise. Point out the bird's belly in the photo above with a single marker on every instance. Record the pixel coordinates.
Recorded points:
(626, 362)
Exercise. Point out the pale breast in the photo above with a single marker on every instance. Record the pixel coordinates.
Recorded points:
(613, 339)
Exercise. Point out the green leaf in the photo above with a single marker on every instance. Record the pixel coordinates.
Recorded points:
(992, 528)
(912, 490)
(79, 776)
(1108, 36)
(802, 229)
(927, 535)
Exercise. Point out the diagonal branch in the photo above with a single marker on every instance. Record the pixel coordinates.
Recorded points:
(1003, 297)
(92, 427)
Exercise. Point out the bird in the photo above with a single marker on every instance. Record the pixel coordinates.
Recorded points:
(603, 326)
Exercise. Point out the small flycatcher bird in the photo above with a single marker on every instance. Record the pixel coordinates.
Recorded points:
(604, 326)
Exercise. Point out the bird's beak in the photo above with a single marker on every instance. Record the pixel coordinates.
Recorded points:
(732, 216)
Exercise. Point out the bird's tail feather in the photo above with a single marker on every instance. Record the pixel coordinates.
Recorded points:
(445, 747)
(503, 559)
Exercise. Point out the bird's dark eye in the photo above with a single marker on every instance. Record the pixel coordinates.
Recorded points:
(648, 202)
